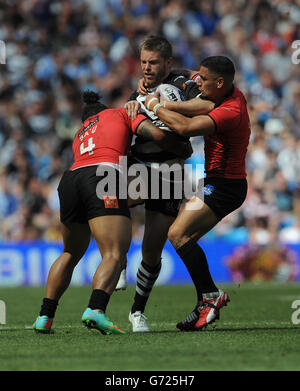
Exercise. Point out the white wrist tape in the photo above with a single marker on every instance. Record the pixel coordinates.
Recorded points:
(151, 100)
(156, 107)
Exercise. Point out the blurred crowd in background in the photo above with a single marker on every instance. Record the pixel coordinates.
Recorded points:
(57, 49)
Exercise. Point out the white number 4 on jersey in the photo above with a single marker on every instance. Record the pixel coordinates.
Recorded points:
(89, 148)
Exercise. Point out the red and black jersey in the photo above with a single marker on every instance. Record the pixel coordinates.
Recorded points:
(104, 137)
(225, 150)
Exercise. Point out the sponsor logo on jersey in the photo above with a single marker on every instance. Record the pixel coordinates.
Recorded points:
(208, 190)
(110, 202)
(87, 125)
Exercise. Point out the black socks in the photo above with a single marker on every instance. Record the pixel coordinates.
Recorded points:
(99, 300)
(195, 261)
(48, 307)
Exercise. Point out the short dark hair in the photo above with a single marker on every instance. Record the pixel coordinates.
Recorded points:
(155, 43)
(219, 65)
(92, 104)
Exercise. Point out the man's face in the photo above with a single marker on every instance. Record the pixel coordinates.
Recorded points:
(154, 67)
(209, 83)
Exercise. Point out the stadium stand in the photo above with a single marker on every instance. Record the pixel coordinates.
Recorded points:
(55, 50)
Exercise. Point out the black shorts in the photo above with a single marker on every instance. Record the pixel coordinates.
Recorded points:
(224, 195)
(79, 201)
(167, 203)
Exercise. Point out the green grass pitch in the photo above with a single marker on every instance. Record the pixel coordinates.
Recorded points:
(255, 332)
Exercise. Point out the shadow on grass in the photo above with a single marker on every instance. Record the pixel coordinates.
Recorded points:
(294, 328)
(174, 331)
(214, 330)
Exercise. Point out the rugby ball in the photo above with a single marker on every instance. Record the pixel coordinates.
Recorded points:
(167, 92)
(170, 92)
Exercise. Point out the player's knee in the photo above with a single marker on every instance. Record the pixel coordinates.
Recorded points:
(71, 255)
(175, 235)
(114, 257)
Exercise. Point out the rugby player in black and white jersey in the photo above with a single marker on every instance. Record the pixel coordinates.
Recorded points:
(156, 63)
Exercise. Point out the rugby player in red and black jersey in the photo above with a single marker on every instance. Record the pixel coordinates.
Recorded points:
(86, 210)
(226, 131)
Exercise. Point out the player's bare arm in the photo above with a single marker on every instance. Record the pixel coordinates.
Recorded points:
(200, 125)
(166, 140)
(192, 107)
